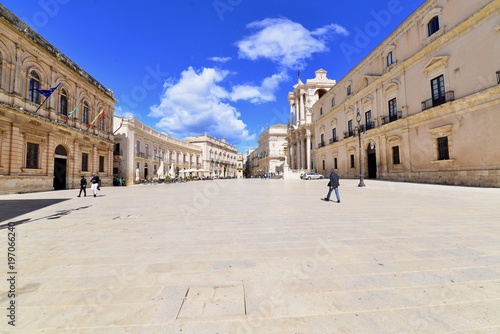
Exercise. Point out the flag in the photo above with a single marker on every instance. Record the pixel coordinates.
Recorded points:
(47, 92)
(72, 111)
(95, 118)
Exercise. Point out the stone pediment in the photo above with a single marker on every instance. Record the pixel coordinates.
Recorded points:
(435, 62)
(365, 81)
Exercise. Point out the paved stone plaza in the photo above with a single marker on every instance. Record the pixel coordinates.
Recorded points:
(254, 256)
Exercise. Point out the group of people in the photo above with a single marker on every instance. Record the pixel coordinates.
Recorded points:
(95, 182)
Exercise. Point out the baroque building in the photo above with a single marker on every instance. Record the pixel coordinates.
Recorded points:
(269, 157)
(423, 106)
(49, 137)
(140, 151)
(220, 159)
(301, 134)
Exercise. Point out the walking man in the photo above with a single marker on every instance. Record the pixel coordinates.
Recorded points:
(333, 185)
(95, 183)
(83, 185)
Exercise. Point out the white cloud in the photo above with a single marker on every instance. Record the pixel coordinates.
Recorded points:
(220, 59)
(286, 42)
(195, 104)
(259, 94)
(122, 113)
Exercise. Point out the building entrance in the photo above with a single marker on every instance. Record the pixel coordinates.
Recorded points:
(60, 166)
(372, 161)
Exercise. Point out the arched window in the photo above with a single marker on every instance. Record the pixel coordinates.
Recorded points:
(349, 91)
(433, 25)
(333, 102)
(33, 94)
(63, 103)
(85, 113)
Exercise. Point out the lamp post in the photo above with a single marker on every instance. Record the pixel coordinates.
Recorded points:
(358, 119)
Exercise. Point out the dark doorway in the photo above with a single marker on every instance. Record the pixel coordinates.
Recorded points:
(146, 171)
(59, 174)
(60, 164)
(372, 161)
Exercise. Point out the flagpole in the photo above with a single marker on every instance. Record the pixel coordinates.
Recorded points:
(41, 104)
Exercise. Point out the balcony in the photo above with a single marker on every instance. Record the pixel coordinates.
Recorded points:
(321, 144)
(370, 125)
(333, 140)
(141, 155)
(391, 118)
(348, 134)
(434, 102)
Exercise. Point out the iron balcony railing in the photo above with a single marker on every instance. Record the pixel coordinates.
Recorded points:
(334, 140)
(392, 117)
(434, 102)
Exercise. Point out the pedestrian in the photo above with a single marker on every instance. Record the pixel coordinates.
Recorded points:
(95, 183)
(83, 186)
(333, 185)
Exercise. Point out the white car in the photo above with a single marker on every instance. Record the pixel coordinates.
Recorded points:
(311, 175)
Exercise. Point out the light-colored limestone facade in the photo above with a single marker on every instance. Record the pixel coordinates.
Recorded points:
(140, 150)
(301, 135)
(220, 159)
(428, 99)
(42, 145)
(269, 157)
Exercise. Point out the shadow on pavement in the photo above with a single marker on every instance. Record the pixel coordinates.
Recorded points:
(14, 208)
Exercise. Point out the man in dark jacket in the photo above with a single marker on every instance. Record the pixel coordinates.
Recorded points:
(333, 185)
(83, 185)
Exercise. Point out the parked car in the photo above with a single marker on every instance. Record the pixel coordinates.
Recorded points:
(311, 175)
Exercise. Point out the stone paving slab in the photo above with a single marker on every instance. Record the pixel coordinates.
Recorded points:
(254, 256)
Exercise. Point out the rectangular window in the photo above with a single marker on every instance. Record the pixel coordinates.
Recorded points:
(322, 139)
(101, 124)
(349, 128)
(324, 165)
(368, 120)
(85, 162)
(85, 115)
(395, 155)
(390, 58)
(32, 155)
(393, 110)
(438, 94)
(352, 160)
(101, 164)
(498, 77)
(335, 163)
(147, 150)
(334, 135)
(138, 146)
(443, 153)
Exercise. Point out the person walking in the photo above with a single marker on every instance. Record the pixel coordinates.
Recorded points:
(95, 183)
(83, 186)
(333, 185)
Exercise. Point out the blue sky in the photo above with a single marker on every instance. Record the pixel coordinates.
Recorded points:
(223, 67)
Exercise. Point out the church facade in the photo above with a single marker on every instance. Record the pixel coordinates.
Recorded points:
(424, 106)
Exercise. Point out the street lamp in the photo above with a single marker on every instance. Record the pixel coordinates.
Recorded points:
(358, 119)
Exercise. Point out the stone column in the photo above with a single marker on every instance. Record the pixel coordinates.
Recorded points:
(308, 149)
(301, 108)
